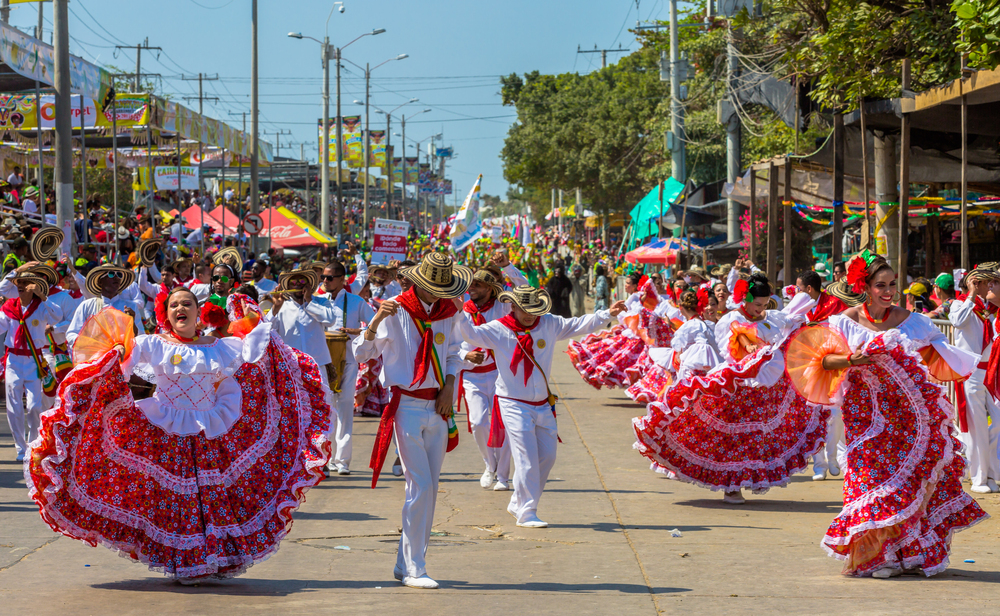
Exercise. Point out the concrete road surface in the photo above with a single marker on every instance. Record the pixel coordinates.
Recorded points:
(609, 549)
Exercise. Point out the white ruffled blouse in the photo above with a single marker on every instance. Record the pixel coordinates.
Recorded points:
(195, 388)
(919, 330)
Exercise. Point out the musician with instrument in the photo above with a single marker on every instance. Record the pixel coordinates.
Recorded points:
(351, 314)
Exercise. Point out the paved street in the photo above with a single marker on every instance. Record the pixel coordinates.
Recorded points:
(609, 548)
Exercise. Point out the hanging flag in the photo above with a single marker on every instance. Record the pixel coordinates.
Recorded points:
(468, 224)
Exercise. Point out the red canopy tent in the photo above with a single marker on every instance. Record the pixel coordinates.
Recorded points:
(283, 231)
(223, 220)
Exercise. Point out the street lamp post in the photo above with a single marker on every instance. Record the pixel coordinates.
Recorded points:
(402, 196)
(329, 52)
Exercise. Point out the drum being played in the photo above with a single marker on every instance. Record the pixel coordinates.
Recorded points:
(337, 343)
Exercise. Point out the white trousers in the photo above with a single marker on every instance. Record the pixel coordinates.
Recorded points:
(21, 377)
(826, 458)
(479, 390)
(981, 440)
(422, 438)
(342, 415)
(533, 437)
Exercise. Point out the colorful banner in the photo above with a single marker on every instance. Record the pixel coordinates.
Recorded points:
(354, 141)
(376, 145)
(389, 241)
(424, 179)
(165, 177)
(412, 169)
(397, 170)
(468, 224)
(34, 59)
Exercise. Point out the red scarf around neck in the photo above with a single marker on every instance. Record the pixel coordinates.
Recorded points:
(981, 311)
(442, 309)
(476, 312)
(525, 351)
(12, 308)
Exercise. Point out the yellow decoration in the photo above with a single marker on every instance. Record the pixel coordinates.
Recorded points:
(541, 344)
(176, 359)
(439, 338)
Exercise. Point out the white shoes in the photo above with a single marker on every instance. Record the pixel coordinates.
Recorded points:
(820, 476)
(424, 581)
(834, 471)
(992, 485)
(981, 489)
(343, 470)
(501, 487)
(511, 512)
(734, 498)
(887, 572)
(533, 522)
(397, 470)
(486, 480)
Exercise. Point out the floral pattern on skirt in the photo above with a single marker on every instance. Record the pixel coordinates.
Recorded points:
(616, 360)
(186, 506)
(903, 498)
(722, 433)
(371, 396)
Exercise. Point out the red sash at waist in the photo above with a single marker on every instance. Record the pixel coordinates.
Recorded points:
(498, 432)
(384, 436)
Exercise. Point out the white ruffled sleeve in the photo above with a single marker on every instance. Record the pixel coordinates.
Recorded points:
(922, 332)
(139, 362)
(857, 337)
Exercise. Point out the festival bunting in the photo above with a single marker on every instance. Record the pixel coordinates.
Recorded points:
(376, 144)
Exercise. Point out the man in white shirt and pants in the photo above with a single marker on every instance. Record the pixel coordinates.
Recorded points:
(478, 380)
(350, 312)
(415, 336)
(104, 287)
(974, 331)
(524, 343)
(301, 318)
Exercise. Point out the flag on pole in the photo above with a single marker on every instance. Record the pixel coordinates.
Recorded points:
(468, 225)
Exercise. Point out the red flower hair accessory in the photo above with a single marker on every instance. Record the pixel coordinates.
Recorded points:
(857, 270)
(790, 291)
(702, 298)
(214, 316)
(741, 292)
(160, 304)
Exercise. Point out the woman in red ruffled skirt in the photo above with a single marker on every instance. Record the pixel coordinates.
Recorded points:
(201, 479)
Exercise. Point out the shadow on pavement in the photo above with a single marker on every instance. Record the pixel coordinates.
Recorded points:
(613, 527)
(760, 504)
(340, 516)
(278, 588)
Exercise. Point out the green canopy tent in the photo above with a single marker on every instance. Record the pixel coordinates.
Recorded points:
(646, 214)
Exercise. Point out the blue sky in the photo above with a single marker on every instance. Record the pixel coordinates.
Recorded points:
(457, 48)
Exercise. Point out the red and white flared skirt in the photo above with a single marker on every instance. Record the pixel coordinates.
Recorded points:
(186, 506)
(903, 498)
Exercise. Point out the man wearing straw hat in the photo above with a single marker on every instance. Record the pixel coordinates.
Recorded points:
(978, 413)
(524, 342)
(477, 381)
(301, 318)
(23, 321)
(103, 288)
(415, 336)
(351, 312)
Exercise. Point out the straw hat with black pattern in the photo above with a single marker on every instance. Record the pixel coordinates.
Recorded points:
(45, 242)
(226, 254)
(319, 266)
(984, 271)
(31, 277)
(148, 249)
(312, 279)
(47, 272)
(842, 291)
(125, 275)
(439, 275)
(534, 301)
(490, 279)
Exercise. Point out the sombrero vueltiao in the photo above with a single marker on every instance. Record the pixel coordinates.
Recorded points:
(439, 275)
(148, 250)
(535, 302)
(842, 291)
(318, 266)
(32, 277)
(983, 271)
(489, 278)
(48, 273)
(45, 242)
(312, 279)
(229, 252)
(127, 277)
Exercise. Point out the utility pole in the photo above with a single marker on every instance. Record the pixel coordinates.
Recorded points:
(368, 150)
(139, 48)
(201, 111)
(603, 52)
(339, 235)
(254, 107)
(63, 122)
(324, 171)
(5, 11)
(733, 140)
(676, 139)
(239, 190)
